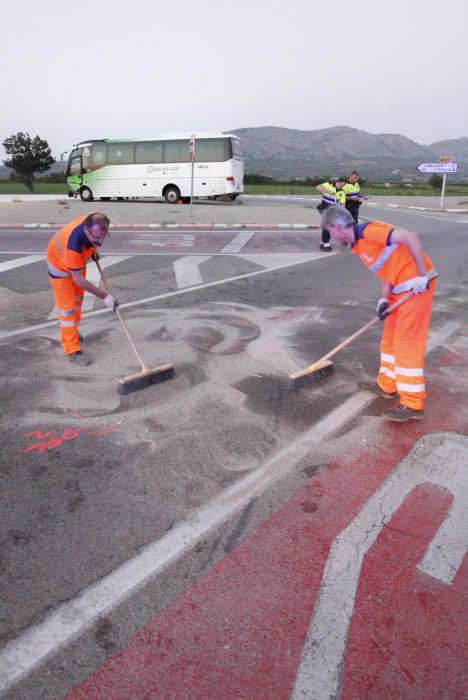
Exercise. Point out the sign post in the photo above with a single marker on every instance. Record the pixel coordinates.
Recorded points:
(192, 160)
(444, 166)
(442, 194)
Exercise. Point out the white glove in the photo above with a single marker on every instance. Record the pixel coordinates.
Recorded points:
(111, 302)
(420, 284)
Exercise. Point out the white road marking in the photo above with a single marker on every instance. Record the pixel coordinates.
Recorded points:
(443, 464)
(167, 295)
(20, 262)
(187, 270)
(439, 217)
(22, 655)
(237, 243)
(439, 338)
(272, 260)
(183, 240)
(92, 274)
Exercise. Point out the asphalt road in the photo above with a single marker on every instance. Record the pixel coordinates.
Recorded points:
(90, 479)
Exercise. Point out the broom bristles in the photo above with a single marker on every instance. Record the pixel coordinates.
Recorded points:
(142, 380)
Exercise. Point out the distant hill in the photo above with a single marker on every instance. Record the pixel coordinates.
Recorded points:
(289, 153)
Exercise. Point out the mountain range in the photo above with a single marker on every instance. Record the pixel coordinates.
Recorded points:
(290, 153)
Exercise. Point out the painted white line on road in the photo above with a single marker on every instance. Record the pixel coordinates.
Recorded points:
(272, 260)
(438, 217)
(187, 270)
(443, 464)
(179, 240)
(92, 274)
(22, 655)
(167, 295)
(238, 242)
(20, 262)
(439, 338)
(447, 550)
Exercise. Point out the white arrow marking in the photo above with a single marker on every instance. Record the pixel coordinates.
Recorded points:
(438, 459)
(187, 270)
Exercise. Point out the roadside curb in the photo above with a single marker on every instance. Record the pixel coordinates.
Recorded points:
(170, 227)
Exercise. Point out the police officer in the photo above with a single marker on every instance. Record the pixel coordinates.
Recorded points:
(332, 193)
(352, 192)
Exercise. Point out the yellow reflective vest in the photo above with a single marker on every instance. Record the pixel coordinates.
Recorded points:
(335, 196)
(352, 192)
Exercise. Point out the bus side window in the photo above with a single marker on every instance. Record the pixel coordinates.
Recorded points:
(176, 151)
(120, 153)
(211, 150)
(99, 156)
(149, 152)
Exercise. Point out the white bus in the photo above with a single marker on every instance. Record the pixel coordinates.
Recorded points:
(159, 167)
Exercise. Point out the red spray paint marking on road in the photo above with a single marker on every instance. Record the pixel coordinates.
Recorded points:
(49, 441)
(239, 632)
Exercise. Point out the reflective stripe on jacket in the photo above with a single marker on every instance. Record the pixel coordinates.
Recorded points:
(329, 197)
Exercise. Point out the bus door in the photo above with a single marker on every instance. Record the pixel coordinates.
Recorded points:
(75, 170)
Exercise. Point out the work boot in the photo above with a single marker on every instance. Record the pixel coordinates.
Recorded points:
(79, 359)
(326, 246)
(401, 413)
(375, 389)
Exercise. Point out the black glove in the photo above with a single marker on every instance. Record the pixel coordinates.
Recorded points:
(382, 309)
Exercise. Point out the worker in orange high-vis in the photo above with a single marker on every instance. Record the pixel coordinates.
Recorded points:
(397, 258)
(67, 254)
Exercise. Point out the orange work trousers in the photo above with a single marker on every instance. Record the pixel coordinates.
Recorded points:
(402, 349)
(68, 300)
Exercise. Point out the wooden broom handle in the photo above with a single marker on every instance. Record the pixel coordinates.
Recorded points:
(347, 341)
(144, 368)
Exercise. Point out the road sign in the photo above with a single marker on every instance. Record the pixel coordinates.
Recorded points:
(438, 167)
(191, 147)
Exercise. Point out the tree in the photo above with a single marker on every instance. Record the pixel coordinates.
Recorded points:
(435, 182)
(28, 156)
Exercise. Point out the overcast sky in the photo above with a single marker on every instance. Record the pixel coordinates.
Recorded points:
(101, 69)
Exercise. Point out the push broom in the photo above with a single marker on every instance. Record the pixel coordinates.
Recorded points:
(324, 367)
(147, 377)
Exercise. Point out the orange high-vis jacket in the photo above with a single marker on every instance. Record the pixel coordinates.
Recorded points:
(392, 262)
(69, 249)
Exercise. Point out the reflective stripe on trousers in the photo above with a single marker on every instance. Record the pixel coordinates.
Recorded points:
(68, 300)
(402, 348)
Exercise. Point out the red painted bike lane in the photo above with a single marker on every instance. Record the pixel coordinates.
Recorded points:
(241, 630)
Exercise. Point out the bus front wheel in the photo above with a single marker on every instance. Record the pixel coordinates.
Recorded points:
(172, 195)
(86, 194)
